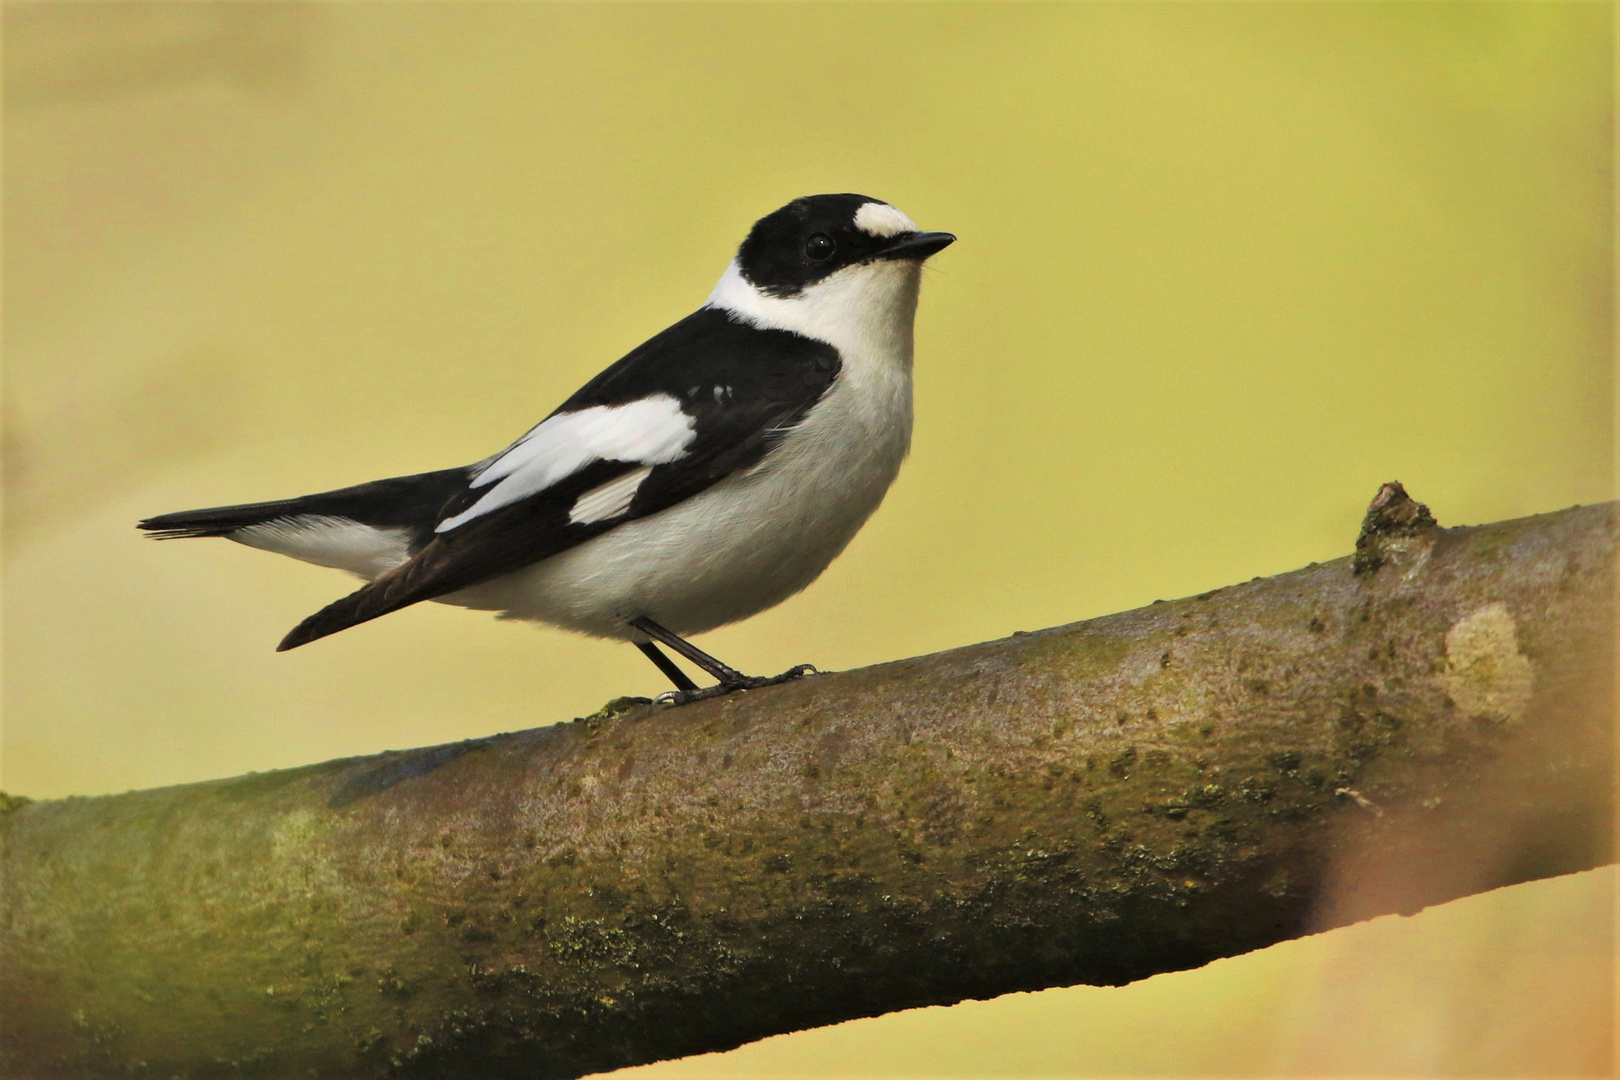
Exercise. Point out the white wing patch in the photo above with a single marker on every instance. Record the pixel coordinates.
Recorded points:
(338, 542)
(608, 501)
(881, 219)
(650, 431)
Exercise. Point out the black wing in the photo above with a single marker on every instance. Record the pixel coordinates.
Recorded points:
(741, 385)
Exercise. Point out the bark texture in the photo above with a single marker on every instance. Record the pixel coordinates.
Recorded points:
(1092, 803)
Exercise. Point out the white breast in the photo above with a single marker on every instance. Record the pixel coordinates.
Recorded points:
(754, 539)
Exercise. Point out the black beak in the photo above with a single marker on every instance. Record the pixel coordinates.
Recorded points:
(917, 246)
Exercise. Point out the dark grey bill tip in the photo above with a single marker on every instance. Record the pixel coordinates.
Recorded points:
(917, 245)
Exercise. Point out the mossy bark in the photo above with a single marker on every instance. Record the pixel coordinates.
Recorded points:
(1088, 804)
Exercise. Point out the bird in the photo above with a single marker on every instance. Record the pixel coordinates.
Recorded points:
(709, 474)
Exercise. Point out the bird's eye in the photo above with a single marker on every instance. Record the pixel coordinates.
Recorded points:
(820, 247)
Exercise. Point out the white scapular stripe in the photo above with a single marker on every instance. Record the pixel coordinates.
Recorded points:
(650, 431)
(608, 501)
(338, 542)
(881, 219)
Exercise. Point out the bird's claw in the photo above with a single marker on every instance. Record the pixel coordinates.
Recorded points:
(746, 682)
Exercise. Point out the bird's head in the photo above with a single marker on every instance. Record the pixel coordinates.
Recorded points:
(834, 267)
(822, 236)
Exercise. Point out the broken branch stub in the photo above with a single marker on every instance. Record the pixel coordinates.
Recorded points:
(1092, 803)
(1395, 525)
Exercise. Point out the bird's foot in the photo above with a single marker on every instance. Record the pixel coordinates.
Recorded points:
(741, 682)
(792, 674)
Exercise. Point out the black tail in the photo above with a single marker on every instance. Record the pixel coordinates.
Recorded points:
(432, 571)
(219, 520)
(404, 501)
(370, 602)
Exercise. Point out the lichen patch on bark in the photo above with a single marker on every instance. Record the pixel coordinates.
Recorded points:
(1486, 675)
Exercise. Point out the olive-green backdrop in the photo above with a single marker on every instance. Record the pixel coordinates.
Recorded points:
(1223, 269)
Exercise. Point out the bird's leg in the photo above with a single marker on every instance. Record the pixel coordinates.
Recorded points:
(729, 677)
(726, 674)
(663, 663)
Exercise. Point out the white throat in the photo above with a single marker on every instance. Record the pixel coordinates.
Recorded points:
(864, 311)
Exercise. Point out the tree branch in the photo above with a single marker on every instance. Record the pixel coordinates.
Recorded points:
(1088, 804)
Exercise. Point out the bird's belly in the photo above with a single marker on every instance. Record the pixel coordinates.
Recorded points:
(744, 545)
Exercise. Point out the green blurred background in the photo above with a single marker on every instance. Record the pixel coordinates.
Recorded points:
(1223, 269)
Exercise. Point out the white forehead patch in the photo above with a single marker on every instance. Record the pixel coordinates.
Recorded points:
(881, 219)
